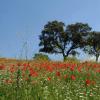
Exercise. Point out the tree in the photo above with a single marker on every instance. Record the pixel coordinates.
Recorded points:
(93, 46)
(40, 56)
(56, 38)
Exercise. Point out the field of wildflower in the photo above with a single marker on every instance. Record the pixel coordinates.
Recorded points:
(48, 80)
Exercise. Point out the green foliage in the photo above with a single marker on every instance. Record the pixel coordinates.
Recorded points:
(40, 56)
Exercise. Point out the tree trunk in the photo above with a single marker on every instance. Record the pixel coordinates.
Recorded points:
(64, 57)
(97, 57)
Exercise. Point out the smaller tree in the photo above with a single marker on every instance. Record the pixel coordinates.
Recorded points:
(40, 56)
(93, 45)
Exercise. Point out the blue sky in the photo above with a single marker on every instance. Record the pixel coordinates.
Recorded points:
(22, 21)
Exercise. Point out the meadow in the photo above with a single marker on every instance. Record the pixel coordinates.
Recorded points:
(49, 80)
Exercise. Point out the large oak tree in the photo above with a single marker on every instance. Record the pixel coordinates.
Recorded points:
(58, 38)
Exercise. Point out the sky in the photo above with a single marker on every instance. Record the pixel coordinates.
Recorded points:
(21, 22)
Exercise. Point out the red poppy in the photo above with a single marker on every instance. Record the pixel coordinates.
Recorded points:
(57, 73)
(73, 77)
(25, 66)
(50, 69)
(72, 67)
(98, 71)
(12, 69)
(33, 73)
(87, 82)
(8, 81)
(2, 67)
(79, 68)
(49, 78)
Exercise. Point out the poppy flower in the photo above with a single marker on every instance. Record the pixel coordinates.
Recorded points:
(33, 73)
(57, 73)
(73, 77)
(87, 82)
(49, 78)
(2, 67)
(50, 69)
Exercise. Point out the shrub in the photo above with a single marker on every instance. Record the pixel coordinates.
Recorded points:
(72, 59)
(40, 56)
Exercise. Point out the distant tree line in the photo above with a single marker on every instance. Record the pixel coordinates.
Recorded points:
(58, 38)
